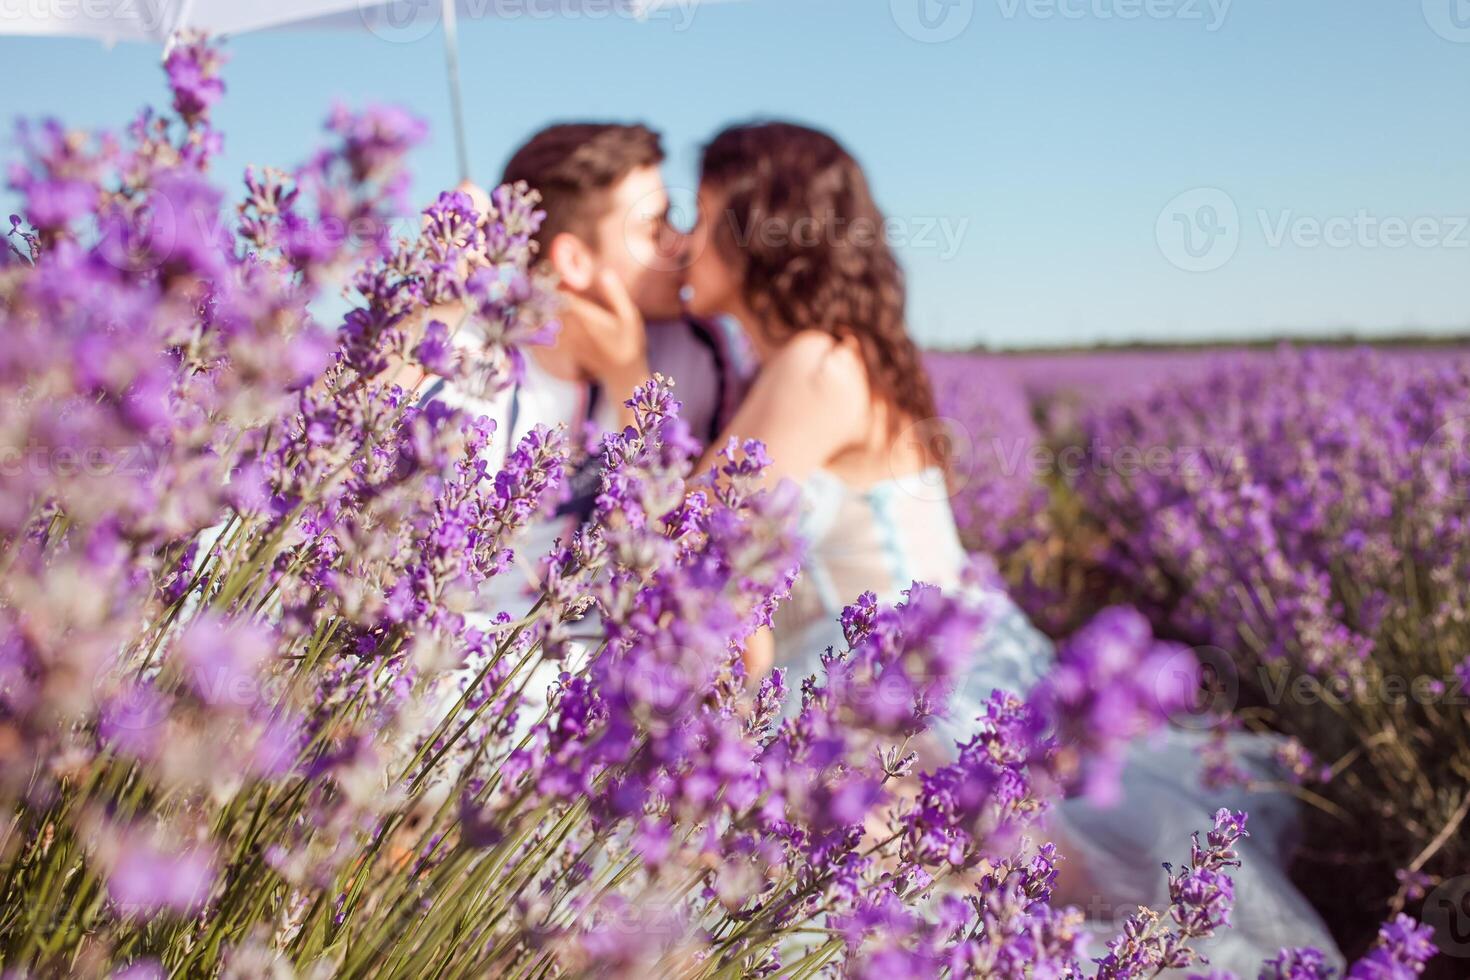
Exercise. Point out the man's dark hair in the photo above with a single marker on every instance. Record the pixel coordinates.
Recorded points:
(574, 165)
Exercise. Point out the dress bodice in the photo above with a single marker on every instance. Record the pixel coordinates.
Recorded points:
(875, 539)
(881, 539)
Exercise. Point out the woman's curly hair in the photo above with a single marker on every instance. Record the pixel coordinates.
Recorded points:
(801, 225)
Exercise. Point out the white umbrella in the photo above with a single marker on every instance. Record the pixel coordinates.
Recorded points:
(159, 21)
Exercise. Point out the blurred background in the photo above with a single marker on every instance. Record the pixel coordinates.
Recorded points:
(1058, 172)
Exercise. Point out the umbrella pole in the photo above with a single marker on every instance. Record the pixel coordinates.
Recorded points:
(180, 22)
(456, 103)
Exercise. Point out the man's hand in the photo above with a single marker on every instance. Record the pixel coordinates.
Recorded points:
(616, 352)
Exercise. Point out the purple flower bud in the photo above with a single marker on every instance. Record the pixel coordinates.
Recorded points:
(144, 879)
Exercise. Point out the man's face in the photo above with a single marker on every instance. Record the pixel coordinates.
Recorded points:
(636, 241)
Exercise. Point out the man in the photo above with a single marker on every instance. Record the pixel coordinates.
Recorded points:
(618, 260)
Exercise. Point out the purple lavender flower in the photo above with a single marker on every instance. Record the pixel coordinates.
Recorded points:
(985, 796)
(1200, 895)
(224, 659)
(131, 721)
(52, 205)
(1299, 764)
(376, 137)
(1414, 884)
(1305, 963)
(193, 74)
(1403, 948)
(144, 878)
(1112, 683)
(434, 352)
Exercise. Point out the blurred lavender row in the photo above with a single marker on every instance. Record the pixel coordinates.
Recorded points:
(1299, 515)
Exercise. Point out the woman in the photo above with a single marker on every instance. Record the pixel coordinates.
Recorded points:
(790, 243)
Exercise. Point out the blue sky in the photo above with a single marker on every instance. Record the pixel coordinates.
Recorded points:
(1057, 171)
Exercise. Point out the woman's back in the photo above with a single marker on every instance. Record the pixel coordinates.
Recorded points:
(878, 538)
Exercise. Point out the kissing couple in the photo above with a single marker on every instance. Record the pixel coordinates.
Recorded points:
(780, 316)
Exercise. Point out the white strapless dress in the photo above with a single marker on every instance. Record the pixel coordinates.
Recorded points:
(884, 537)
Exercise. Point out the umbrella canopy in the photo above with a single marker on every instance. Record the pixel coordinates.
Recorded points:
(159, 21)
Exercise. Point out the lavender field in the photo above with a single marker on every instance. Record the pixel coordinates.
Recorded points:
(1298, 516)
(256, 722)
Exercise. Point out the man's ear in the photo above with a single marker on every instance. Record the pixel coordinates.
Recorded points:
(573, 261)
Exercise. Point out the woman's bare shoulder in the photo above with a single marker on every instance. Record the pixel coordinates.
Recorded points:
(809, 403)
(818, 360)
(816, 386)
